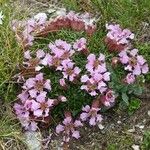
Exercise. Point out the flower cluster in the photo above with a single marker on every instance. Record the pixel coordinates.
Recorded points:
(135, 64)
(31, 64)
(34, 106)
(91, 114)
(118, 39)
(69, 128)
(96, 81)
(25, 30)
(77, 22)
(60, 59)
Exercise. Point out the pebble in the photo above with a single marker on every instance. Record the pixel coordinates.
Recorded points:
(101, 127)
(119, 122)
(135, 147)
(131, 130)
(33, 140)
(140, 126)
(148, 113)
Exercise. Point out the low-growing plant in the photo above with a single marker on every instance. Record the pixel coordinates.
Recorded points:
(66, 75)
(146, 141)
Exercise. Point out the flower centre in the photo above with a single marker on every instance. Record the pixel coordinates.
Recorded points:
(92, 87)
(65, 55)
(43, 106)
(133, 61)
(69, 71)
(96, 63)
(34, 62)
(56, 62)
(39, 85)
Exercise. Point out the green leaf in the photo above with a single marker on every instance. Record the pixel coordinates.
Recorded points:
(125, 98)
(138, 90)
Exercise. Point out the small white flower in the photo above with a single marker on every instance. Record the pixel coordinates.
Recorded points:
(1, 17)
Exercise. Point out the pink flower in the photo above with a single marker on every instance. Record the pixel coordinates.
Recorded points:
(133, 62)
(91, 114)
(36, 85)
(68, 128)
(61, 49)
(108, 98)
(130, 78)
(34, 62)
(62, 98)
(80, 44)
(97, 81)
(90, 86)
(120, 35)
(62, 82)
(23, 96)
(41, 106)
(96, 65)
(69, 71)
(40, 18)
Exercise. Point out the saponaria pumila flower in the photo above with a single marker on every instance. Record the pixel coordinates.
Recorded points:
(69, 127)
(59, 50)
(36, 85)
(91, 113)
(25, 30)
(33, 110)
(96, 81)
(34, 105)
(134, 63)
(118, 39)
(80, 45)
(75, 21)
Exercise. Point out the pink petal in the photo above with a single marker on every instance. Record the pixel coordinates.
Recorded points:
(86, 108)
(92, 121)
(59, 128)
(84, 78)
(38, 112)
(47, 85)
(101, 57)
(23, 96)
(27, 55)
(35, 105)
(84, 116)
(91, 58)
(67, 120)
(30, 83)
(140, 60)
(78, 123)
(40, 54)
(33, 93)
(145, 69)
(77, 70)
(41, 97)
(76, 134)
(93, 93)
(39, 77)
(50, 102)
(106, 76)
(137, 70)
(33, 126)
(134, 52)
(62, 82)
(99, 118)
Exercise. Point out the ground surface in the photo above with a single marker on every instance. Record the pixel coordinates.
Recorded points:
(121, 131)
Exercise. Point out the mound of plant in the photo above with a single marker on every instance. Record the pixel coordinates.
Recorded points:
(63, 79)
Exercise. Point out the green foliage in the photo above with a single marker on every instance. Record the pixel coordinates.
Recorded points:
(133, 105)
(146, 141)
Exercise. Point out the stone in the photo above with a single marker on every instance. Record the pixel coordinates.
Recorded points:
(33, 140)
